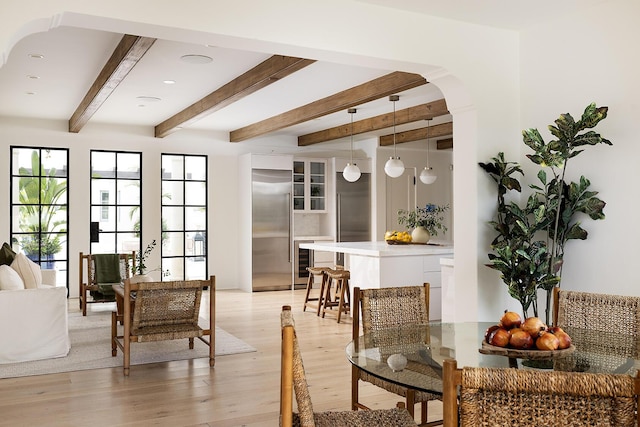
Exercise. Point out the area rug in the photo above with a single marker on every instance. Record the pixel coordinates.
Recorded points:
(91, 349)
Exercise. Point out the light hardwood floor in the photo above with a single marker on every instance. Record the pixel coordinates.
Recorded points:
(241, 390)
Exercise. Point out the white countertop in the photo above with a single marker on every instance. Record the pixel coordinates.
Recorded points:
(379, 249)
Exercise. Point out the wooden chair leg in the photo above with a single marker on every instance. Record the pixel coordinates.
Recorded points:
(308, 292)
(126, 355)
(327, 300)
(323, 286)
(423, 412)
(114, 333)
(344, 292)
(355, 375)
(411, 401)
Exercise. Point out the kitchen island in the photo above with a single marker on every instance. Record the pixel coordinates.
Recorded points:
(378, 264)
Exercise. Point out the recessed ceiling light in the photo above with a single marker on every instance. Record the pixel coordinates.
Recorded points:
(148, 98)
(33, 77)
(30, 93)
(169, 82)
(36, 56)
(196, 59)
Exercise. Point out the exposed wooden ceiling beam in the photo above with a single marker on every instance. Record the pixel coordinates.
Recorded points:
(375, 89)
(260, 76)
(124, 57)
(435, 131)
(383, 121)
(444, 144)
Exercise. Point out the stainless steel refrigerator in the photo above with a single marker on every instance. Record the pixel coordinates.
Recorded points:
(271, 230)
(353, 210)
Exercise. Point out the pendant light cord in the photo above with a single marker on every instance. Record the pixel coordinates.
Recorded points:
(428, 164)
(395, 153)
(352, 111)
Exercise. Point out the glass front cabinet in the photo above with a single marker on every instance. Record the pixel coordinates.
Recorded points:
(309, 185)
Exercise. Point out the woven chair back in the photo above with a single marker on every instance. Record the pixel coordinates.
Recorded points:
(303, 398)
(521, 397)
(512, 397)
(600, 312)
(169, 305)
(604, 328)
(385, 308)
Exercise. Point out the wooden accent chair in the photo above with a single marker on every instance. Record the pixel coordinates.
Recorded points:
(292, 377)
(521, 397)
(89, 281)
(384, 308)
(163, 311)
(592, 316)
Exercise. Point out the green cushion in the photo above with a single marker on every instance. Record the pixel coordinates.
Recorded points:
(7, 255)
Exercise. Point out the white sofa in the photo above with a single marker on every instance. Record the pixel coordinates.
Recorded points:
(33, 322)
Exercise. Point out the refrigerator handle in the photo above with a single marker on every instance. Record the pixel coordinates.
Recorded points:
(289, 221)
(338, 216)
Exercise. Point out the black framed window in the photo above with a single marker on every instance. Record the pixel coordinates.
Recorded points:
(184, 217)
(40, 206)
(116, 192)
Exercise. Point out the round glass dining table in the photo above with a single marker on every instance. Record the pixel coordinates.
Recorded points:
(425, 347)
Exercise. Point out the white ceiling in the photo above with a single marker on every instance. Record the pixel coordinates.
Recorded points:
(53, 86)
(507, 14)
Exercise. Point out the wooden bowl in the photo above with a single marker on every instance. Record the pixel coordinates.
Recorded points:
(531, 354)
(396, 242)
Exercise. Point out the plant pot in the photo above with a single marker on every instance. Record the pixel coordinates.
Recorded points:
(139, 278)
(420, 235)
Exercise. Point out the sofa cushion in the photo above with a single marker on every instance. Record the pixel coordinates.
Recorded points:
(7, 255)
(10, 279)
(28, 270)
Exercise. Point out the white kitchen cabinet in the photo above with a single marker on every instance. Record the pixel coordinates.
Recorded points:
(309, 185)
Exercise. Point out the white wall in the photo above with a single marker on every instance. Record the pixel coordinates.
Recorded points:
(475, 67)
(567, 64)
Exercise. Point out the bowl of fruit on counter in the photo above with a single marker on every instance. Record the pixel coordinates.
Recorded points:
(530, 339)
(397, 237)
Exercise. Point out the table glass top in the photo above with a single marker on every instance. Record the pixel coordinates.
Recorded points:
(426, 347)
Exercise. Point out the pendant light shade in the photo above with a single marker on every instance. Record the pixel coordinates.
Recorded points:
(351, 172)
(428, 176)
(394, 166)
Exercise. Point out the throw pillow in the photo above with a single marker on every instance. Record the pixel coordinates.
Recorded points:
(28, 270)
(7, 254)
(10, 279)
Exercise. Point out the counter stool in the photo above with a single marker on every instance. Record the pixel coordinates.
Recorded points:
(315, 302)
(341, 293)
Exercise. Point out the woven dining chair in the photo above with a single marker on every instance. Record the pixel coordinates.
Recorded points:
(293, 378)
(590, 317)
(383, 308)
(507, 397)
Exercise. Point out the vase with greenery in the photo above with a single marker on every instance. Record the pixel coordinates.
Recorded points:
(141, 268)
(528, 249)
(430, 217)
(141, 258)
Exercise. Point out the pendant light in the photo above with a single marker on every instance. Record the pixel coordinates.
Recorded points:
(351, 172)
(428, 176)
(394, 166)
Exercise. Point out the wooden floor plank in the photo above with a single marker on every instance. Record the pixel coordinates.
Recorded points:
(241, 390)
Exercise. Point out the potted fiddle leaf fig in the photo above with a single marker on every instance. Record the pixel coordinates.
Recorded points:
(529, 246)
